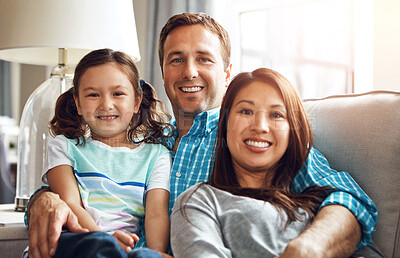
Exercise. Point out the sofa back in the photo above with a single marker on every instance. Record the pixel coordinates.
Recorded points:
(360, 134)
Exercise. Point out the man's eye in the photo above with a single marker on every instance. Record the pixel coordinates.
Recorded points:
(177, 60)
(204, 59)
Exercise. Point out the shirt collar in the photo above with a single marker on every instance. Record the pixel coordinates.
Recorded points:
(204, 122)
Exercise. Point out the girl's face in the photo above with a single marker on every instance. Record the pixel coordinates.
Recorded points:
(258, 130)
(107, 102)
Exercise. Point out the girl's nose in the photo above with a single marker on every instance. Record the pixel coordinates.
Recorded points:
(107, 103)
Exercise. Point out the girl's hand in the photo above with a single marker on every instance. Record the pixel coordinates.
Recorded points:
(125, 240)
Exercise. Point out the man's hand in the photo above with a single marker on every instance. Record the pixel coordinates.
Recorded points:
(125, 241)
(335, 232)
(47, 215)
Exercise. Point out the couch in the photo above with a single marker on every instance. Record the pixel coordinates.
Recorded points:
(360, 134)
(357, 133)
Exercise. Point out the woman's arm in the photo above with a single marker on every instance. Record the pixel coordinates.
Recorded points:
(62, 181)
(157, 219)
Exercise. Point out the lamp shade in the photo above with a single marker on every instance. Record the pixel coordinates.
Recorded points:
(31, 32)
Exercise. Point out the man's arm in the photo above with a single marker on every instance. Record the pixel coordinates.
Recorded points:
(335, 232)
(346, 192)
(46, 215)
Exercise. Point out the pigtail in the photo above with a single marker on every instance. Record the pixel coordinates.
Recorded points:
(66, 120)
(149, 124)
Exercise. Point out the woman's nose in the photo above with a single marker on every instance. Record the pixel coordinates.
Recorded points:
(261, 122)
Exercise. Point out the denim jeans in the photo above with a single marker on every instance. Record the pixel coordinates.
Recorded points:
(96, 244)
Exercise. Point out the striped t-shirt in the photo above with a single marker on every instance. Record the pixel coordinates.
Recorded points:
(112, 180)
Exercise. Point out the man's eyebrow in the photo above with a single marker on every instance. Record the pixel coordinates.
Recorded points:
(174, 53)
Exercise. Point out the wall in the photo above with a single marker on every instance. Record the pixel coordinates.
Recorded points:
(386, 49)
(386, 71)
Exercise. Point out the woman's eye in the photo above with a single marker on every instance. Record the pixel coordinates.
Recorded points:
(246, 111)
(277, 115)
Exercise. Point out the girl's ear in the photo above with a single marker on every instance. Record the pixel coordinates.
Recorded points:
(138, 102)
(78, 106)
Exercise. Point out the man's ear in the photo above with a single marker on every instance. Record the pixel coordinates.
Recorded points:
(78, 106)
(228, 75)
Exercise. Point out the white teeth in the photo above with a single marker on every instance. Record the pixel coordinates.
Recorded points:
(106, 117)
(257, 144)
(191, 89)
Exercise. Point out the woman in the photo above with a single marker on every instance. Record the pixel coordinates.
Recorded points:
(247, 208)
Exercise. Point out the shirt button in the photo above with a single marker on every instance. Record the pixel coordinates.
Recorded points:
(178, 174)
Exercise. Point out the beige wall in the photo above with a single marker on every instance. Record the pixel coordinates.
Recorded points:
(386, 68)
(386, 49)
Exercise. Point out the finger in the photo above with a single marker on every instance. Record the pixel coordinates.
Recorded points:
(125, 238)
(134, 237)
(33, 234)
(42, 227)
(124, 247)
(73, 225)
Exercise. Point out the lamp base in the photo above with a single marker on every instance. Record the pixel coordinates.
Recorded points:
(20, 203)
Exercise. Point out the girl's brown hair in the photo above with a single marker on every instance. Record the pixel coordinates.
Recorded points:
(277, 187)
(147, 125)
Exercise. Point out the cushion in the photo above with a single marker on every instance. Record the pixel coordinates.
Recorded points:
(360, 134)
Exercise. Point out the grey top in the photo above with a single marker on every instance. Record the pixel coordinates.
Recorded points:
(220, 224)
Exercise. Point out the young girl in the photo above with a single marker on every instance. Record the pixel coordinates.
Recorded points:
(104, 161)
(247, 208)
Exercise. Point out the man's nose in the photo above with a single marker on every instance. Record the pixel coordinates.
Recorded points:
(190, 70)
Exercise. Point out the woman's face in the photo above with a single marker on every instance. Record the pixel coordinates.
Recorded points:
(258, 130)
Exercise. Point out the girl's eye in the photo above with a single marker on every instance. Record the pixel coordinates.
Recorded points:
(246, 111)
(119, 94)
(92, 95)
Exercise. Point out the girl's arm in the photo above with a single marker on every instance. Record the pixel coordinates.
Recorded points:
(157, 219)
(62, 181)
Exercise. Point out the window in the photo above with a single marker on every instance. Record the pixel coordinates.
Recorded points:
(311, 42)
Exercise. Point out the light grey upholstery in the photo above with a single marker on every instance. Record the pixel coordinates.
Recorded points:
(360, 134)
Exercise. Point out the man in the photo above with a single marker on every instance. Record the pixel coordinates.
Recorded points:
(194, 53)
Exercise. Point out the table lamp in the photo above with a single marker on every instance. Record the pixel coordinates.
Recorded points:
(54, 33)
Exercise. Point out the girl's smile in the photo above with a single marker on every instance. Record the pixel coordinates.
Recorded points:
(107, 102)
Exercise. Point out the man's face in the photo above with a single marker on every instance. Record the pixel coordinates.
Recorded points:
(193, 70)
